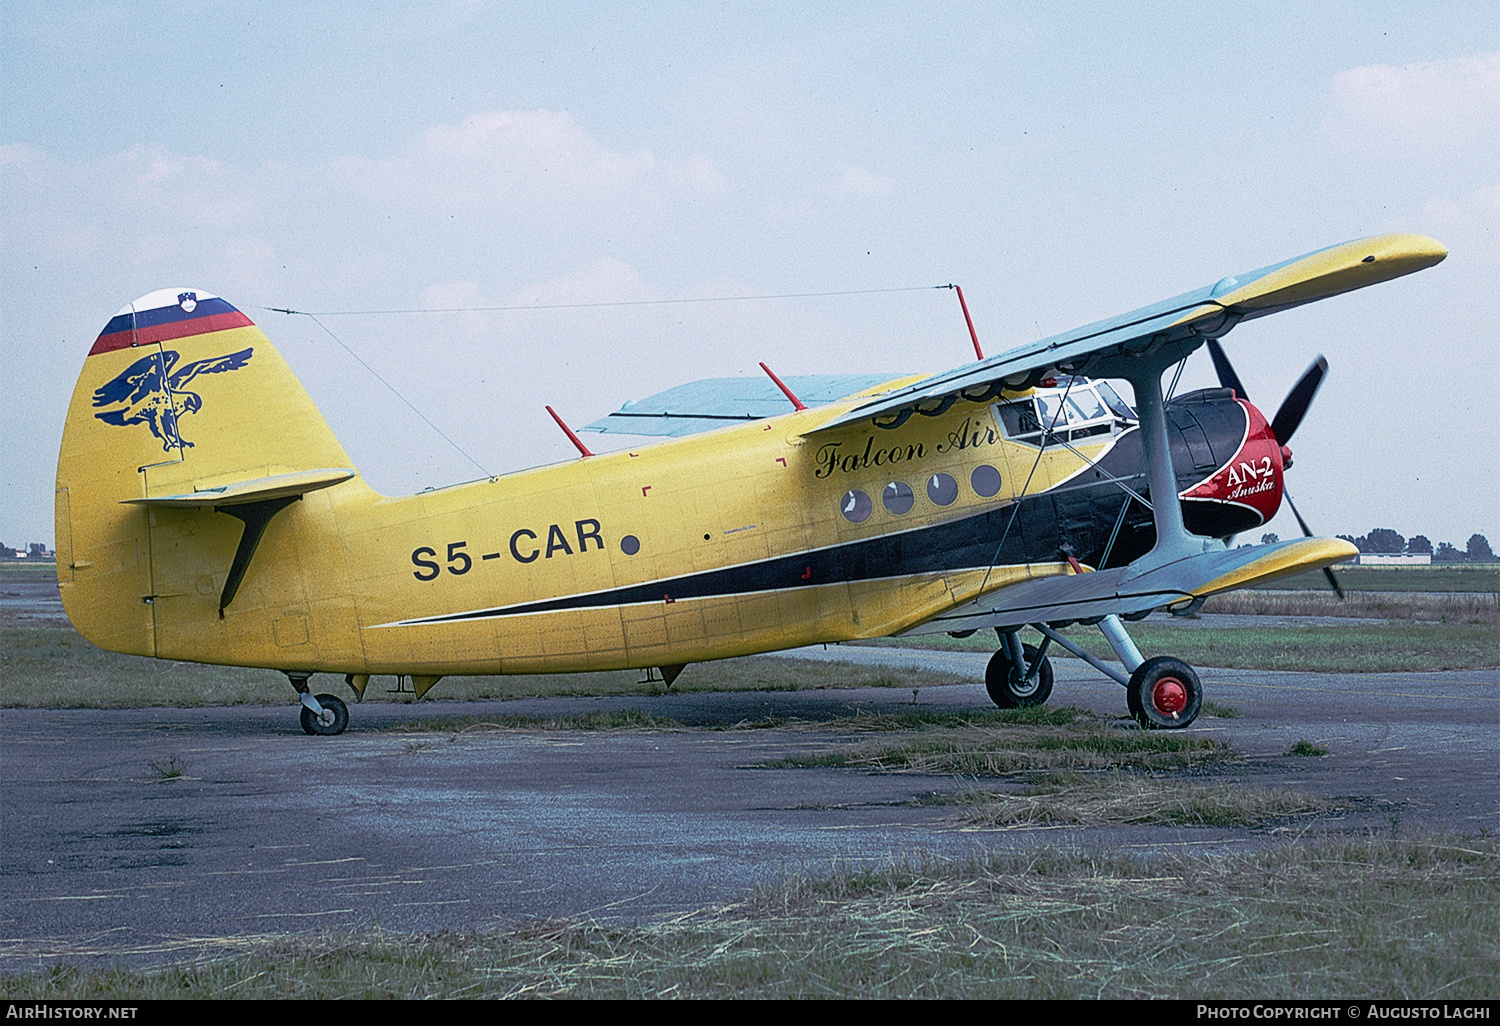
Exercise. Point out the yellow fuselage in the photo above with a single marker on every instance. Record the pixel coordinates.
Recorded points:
(560, 568)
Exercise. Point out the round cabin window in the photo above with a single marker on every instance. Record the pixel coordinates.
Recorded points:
(942, 489)
(856, 506)
(985, 480)
(897, 497)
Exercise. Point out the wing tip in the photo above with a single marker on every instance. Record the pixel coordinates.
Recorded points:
(1283, 559)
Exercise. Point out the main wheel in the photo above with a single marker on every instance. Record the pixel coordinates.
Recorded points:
(1164, 694)
(333, 720)
(1005, 682)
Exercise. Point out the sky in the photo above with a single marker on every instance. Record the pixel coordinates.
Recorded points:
(1061, 162)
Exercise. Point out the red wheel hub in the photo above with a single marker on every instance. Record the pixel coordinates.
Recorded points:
(1169, 696)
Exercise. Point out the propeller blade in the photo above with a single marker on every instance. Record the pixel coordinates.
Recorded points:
(1294, 406)
(1307, 533)
(1293, 409)
(1227, 377)
(1328, 573)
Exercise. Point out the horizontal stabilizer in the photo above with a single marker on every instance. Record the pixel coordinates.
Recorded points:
(279, 486)
(719, 402)
(1123, 590)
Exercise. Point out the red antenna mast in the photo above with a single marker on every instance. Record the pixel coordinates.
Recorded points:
(978, 353)
(569, 432)
(784, 390)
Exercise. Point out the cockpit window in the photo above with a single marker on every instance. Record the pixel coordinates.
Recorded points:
(1018, 418)
(1084, 405)
(1114, 402)
(1050, 416)
(1053, 412)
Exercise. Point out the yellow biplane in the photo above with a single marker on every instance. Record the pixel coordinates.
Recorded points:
(205, 511)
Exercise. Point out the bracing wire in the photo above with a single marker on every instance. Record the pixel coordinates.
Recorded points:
(315, 314)
(394, 392)
(1016, 500)
(585, 306)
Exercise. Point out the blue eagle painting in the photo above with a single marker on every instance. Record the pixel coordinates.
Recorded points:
(149, 392)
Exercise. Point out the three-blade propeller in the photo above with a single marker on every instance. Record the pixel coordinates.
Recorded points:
(1293, 408)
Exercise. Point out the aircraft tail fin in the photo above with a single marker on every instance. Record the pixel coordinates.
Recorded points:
(183, 410)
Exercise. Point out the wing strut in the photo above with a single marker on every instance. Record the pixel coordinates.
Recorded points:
(1173, 540)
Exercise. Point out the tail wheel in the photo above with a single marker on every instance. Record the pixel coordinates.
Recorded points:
(1164, 694)
(332, 720)
(1007, 683)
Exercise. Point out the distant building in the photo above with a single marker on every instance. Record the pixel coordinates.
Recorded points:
(1394, 559)
(36, 551)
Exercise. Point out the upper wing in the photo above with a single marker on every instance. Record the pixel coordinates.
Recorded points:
(1105, 348)
(719, 402)
(1124, 590)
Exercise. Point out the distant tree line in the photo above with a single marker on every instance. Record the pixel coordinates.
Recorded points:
(35, 550)
(1383, 540)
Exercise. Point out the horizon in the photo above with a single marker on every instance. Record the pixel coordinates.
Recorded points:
(458, 157)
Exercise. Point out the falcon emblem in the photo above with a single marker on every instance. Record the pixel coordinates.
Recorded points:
(150, 392)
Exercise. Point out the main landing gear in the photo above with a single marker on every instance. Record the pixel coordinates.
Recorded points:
(1018, 675)
(1161, 693)
(1164, 693)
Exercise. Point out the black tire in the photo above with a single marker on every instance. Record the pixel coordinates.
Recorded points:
(335, 717)
(1164, 694)
(1003, 680)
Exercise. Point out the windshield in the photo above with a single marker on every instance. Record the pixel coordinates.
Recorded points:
(1063, 414)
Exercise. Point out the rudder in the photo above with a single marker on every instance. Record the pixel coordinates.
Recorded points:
(184, 412)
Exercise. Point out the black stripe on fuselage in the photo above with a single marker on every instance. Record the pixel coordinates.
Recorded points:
(1078, 517)
(938, 548)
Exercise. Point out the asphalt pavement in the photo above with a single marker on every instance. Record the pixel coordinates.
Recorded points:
(108, 855)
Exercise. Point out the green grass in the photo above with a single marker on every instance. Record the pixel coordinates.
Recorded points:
(54, 668)
(1097, 800)
(51, 666)
(1004, 743)
(27, 570)
(620, 719)
(1346, 648)
(1472, 607)
(1479, 577)
(1382, 919)
(167, 769)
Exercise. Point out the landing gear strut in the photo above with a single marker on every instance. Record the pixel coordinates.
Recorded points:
(322, 715)
(1018, 675)
(1162, 693)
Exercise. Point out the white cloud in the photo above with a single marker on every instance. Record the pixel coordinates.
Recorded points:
(1469, 222)
(462, 308)
(857, 181)
(20, 155)
(702, 176)
(463, 298)
(1425, 110)
(518, 158)
(606, 280)
(458, 295)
